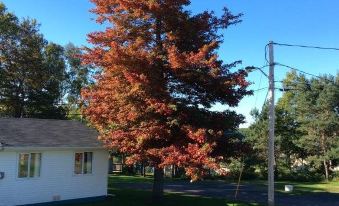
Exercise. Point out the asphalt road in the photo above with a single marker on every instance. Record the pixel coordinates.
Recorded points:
(247, 193)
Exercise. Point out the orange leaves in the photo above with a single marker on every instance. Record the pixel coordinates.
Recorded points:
(139, 8)
(200, 161)
(198, 135)
(134, 78)
(200, 59)
(176, 59)
(160, 74)
(193, 157)
(159, 106)
(240, 78)
(173, 155)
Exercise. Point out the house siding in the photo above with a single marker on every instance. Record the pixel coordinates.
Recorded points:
(57, 178)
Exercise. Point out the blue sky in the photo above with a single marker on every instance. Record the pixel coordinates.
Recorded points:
(309, 22)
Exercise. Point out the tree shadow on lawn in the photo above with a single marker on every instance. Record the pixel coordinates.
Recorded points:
(321, 193)
(307, 198)
(126, 197)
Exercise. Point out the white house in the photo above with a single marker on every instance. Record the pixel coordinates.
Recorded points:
(50, 160)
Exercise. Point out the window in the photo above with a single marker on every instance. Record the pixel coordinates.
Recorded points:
(83, 163)
(29, 165)
(117, 162)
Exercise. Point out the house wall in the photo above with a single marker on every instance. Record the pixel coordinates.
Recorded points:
(57, 179)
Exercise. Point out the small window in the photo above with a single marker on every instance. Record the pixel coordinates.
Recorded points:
(83, 163)
(29, 165)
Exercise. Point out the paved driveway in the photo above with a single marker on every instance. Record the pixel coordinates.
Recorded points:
(247, 193)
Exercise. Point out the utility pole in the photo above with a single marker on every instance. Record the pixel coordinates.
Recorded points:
(271, 119)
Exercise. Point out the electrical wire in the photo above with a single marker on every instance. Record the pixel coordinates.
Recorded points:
(258, 90)
(301, 71)
(262, 108)
(300, 46)
(306, 46)
(293, 68)
(256, 97)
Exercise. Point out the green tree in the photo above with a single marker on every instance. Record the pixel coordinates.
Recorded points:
(9, 29)
(44, 100)
(316, 103)
(307, 123)
(78, 76)
(286, 137)
(31, 70)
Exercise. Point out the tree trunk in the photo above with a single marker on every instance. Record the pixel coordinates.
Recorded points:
(323, 146)
(173, 171)
(158, 184)
(21, 101)
(143, 169)
(326, 170)
(275, 166)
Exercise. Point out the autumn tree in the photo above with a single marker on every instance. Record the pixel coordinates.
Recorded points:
(160, 77)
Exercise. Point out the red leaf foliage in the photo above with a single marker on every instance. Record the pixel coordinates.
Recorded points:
(160, 76)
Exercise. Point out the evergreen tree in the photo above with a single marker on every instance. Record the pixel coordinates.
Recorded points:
(316, 103)
(307, 123)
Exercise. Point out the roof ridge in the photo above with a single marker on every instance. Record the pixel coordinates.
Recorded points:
(38, 119)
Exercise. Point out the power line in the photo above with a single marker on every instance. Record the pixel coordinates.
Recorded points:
(288, 89)
(293, 68)
(257, 90)
(262, 108)
(256, 97)
(307, 73)
(301, 46)
(305, 46)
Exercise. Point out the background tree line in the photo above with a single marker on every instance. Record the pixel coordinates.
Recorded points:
(307, 130)
(37, 78)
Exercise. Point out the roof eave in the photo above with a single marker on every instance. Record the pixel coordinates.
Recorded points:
(33, 148)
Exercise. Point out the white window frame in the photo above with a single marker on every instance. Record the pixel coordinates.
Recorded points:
(29, 164)
(83, 163)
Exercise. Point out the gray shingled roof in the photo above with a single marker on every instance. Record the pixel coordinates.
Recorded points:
(25, 132)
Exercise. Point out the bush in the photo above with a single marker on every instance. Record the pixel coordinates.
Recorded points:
(302, 175)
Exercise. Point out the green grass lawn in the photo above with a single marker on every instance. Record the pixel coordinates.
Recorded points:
(130, 179)
(143, 198)
(302, 187)
(299, 187)
(127, 197)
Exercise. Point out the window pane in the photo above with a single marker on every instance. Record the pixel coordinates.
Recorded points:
(34, 168)
(78, 163)
(88, 156)
(23, 165)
